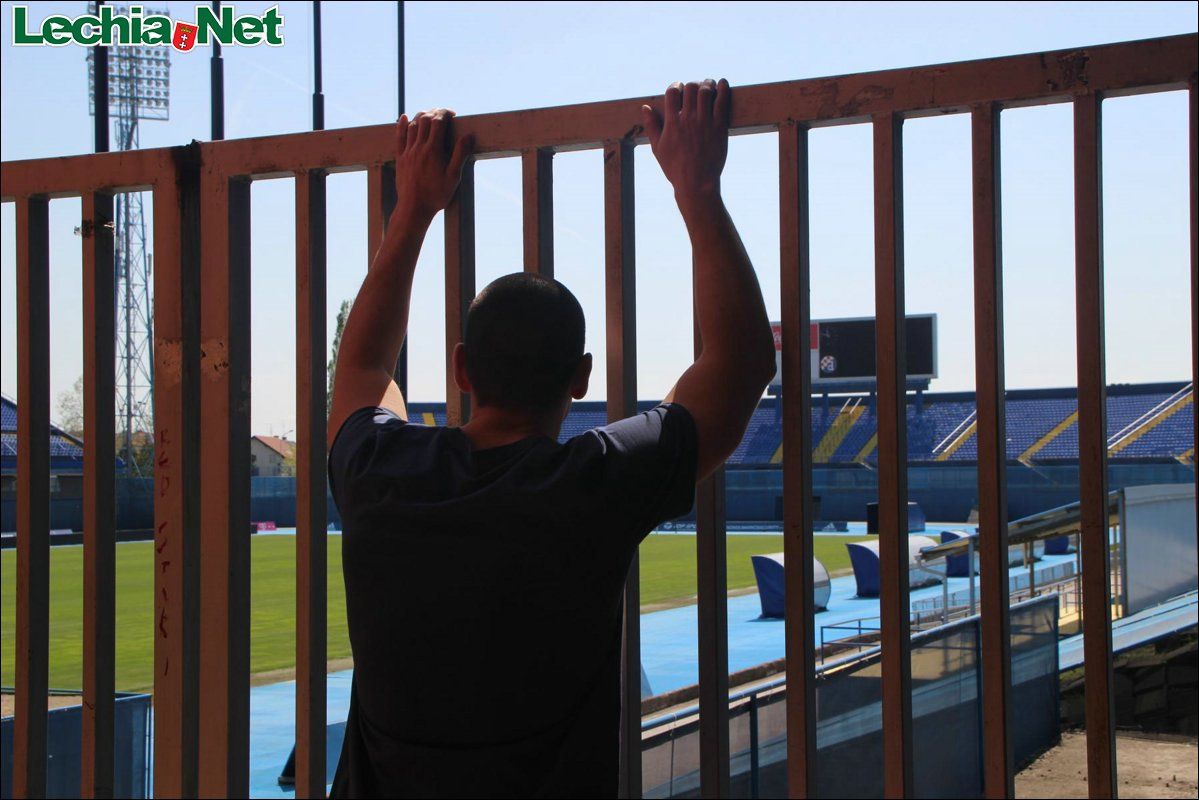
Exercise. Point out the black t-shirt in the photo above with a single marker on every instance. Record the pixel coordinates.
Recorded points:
(483, 594)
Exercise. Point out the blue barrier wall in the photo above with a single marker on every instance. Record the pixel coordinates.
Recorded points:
(945, 493)
(64, 745)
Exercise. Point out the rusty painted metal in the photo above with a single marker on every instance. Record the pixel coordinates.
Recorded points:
(224, 485)
(311, 503)
(99, 495)
(1037, 78)
(537, 171)
(1194, 137)
(33, 497)
(712, 610)
(459, 286)
(202, 378)
(711, 567)
(620, 297)
(381, 201)
(798, 513)
(177, 242)
(1092, 450)
(992, 455)
(892, 455)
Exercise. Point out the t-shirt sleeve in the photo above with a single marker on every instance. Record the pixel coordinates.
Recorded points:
(355, 446)
(649, 464)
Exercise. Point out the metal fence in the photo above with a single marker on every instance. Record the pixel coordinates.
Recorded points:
(202, 382)
(947, 712)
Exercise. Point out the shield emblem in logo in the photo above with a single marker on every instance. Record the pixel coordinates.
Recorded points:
(185, 36)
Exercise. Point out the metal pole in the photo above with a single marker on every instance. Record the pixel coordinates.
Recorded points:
(754, 758)
(945, 594)
(217, 82)
(318, 99)
(1030, 554)
(100, 92)
(970, 570)
(401, 370)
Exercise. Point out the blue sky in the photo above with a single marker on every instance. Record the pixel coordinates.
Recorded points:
(493, 57)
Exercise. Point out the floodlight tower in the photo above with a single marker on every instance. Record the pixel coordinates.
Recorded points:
(139, 85)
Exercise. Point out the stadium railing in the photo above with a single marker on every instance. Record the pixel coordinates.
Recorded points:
(201, 373)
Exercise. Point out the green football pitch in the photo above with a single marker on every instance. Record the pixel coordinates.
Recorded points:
(667, 578)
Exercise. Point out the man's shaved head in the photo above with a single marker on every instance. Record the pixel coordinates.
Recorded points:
(524, 339)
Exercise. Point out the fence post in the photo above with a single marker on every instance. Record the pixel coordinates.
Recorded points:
(177, 243)
(892, 455)
(99, 502)
(620, 297)
(33, 496)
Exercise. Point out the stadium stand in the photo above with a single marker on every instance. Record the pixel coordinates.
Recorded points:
(1150, 427)
(1145, 421)
(66, 452)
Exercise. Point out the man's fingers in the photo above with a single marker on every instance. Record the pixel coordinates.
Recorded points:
(423, 123)
(413, 137)
(690, 97)
(673, 99)
(707, 97)
(652, 124)
(437, 129)
(401, 133)
(724, 97)
(462, 151)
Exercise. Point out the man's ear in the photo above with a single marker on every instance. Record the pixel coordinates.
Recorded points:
(582, 376)
(458, 360)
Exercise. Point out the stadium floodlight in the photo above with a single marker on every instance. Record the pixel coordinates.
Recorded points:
(139, 77)
(139, 88)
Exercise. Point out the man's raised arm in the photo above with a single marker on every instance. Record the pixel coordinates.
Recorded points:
(722, 388)
(427, 175)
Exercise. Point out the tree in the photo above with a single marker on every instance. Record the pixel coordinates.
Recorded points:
(288, 467)
(332, 368)
(70, 409)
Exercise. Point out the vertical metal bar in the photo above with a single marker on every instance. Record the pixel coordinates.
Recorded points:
(311, 511)
(992, 456)
(100, 96)
(381, 200)
(754, 756)
(33, 496)
(401, 370)
(225, 487)
(1194, 125)
(537, 170)
(713, 636)
(318, 97)
(890, 365)
(177, 243)
(970, 575)
(216, 82)
(99, 495)
(621, 335)
(400, 58)
(1092, 449)
(798, 513)
(459, 286)
(712, 610)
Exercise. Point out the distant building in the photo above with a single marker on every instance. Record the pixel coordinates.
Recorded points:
(66, 473)
(271, 456)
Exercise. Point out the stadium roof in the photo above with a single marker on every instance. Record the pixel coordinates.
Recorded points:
(66, 451)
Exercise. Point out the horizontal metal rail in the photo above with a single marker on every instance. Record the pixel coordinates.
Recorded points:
(202, 332)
